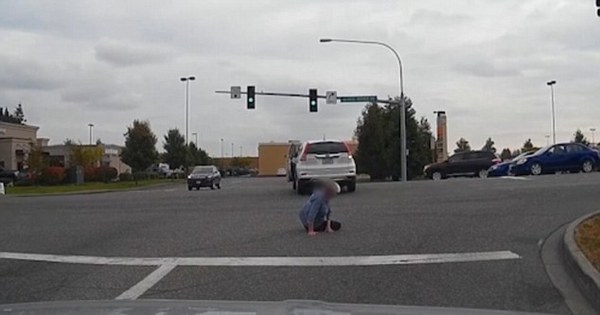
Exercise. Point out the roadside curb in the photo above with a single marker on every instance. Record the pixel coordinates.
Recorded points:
(91, 192)
(586, 277)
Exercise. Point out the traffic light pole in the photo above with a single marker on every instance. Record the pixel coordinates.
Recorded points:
(305, 96)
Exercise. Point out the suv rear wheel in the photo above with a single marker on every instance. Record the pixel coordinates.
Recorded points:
(351, 186)
(436, 176)
(300, 187)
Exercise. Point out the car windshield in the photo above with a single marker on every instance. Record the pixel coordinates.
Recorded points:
(342, 153)
(202, 170)
(542, 150)
(522, 155)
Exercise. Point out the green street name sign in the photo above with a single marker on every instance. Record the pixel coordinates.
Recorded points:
(357, 99)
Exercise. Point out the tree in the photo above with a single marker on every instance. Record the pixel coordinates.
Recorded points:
(372, 142)
(378, 134)
(489, 145)
(175, 150)
(528, 146)
(36, 161)
(81, 155)
(578, 137)
(516, 152)
(505, 154)
(140, 146)
(462, 145)
(197, 156)
(18, 117)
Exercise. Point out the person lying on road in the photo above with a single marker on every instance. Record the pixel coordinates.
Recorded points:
(315, 213)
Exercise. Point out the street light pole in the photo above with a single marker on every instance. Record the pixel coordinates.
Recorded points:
(195, 134)
(401, 88)
(232, 149)
(187, 111)
(551, 84)
(187, 103)
(91, 131)
(547, 140)
(593, 130)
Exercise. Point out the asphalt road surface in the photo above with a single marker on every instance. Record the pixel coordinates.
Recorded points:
(257, 217)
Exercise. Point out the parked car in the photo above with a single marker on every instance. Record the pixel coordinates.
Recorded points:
(324, 159)
(204, 176)
(562, 157)
(470, 163)
(503, 169)
(8, 176)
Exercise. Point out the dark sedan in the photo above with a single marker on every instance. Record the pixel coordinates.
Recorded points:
(562, 157)
(204, 176)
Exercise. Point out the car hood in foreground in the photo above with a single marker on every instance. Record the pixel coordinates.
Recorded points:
(170, 307)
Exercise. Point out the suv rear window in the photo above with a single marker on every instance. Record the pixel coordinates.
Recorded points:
(327, 147)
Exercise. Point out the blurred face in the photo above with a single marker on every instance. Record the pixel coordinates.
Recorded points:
(330, 192)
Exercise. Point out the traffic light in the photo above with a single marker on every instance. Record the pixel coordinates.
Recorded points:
(251, 99)
(312, 101)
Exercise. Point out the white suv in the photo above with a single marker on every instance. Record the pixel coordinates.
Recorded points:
(324, 159)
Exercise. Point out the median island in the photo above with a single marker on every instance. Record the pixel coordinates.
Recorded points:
(587, 237)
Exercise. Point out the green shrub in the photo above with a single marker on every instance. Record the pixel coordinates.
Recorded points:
(53, 175)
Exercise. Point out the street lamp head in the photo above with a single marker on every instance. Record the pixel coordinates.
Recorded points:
(325, 40)
(183, 79)
(192, 78)
(551, 82)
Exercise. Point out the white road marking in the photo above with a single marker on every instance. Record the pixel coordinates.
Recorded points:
(515, 177)
(167, 264)
(267, 261)
(146, 283)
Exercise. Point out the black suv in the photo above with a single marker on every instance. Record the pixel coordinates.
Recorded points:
(470, 163)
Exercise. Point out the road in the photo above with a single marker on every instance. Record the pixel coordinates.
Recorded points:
(257, 217)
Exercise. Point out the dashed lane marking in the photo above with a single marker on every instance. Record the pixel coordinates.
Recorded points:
(147, 283)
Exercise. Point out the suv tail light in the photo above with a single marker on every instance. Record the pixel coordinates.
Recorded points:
(348, 150)
(304, 152)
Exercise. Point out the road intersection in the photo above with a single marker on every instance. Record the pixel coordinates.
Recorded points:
(461, 243)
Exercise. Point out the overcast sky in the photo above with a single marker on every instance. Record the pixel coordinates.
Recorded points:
(486, 63)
